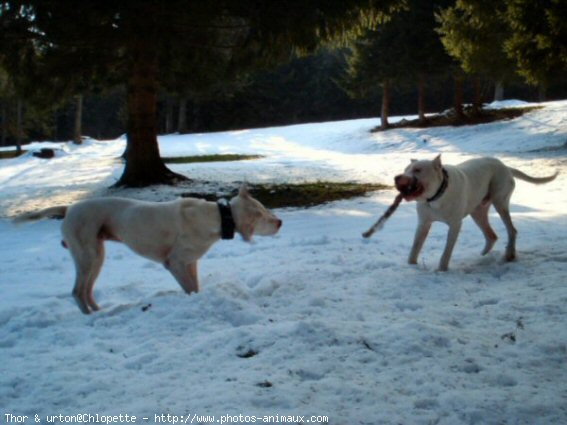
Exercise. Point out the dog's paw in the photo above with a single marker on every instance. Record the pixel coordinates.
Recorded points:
(509, 257)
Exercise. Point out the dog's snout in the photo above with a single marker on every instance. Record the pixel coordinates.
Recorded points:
(402, 180)
(279, 224)
(407, 185)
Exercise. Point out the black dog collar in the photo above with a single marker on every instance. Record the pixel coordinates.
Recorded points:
(227, 221)
(442, 188)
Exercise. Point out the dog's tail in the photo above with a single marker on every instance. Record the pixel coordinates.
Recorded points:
(53, 212)
(536, 180)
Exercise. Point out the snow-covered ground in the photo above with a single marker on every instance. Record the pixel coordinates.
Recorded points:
(315, 322)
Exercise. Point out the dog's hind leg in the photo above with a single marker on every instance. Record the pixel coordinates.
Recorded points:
(85, 259)
(480, 217)
(81, 285)
(504, 211)
(95, 271)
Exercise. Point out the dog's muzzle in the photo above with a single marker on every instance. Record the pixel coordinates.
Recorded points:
(408, 186)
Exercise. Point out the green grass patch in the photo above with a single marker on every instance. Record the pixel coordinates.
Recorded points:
(10, 154)
(209, 158)
(470, 117)
(309, 194)
(302, 195)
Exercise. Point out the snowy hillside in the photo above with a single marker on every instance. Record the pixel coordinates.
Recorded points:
(315, 322)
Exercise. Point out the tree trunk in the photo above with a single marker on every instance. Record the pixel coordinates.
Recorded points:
(78, 130)
(421, 99)
(144, 165)
(542, 92)
(458, 100)
(4, 122)
(196, 114)
(498, 91)
(477, 102)
(182, 120)
(19, 125)
(168, 114)
(385, 112)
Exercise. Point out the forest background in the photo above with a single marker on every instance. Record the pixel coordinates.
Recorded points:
(66, 71)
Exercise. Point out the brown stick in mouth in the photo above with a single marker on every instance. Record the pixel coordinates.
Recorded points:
(380, 223)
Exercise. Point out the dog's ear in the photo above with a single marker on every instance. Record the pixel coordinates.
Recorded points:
(437, 162)
(243, 191)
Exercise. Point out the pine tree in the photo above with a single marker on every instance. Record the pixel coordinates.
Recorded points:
(373, 67)
(537, 39)
(138, 42)
(403, 50)
(498, 38)
(474, 32)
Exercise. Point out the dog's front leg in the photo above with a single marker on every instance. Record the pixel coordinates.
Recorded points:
(454, 229)
(185, 274)
(420, 236)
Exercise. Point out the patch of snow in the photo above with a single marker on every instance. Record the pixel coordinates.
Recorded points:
(313, 322)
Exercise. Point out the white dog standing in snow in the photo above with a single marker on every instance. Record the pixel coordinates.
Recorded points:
(449, 193)
(175, 233)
